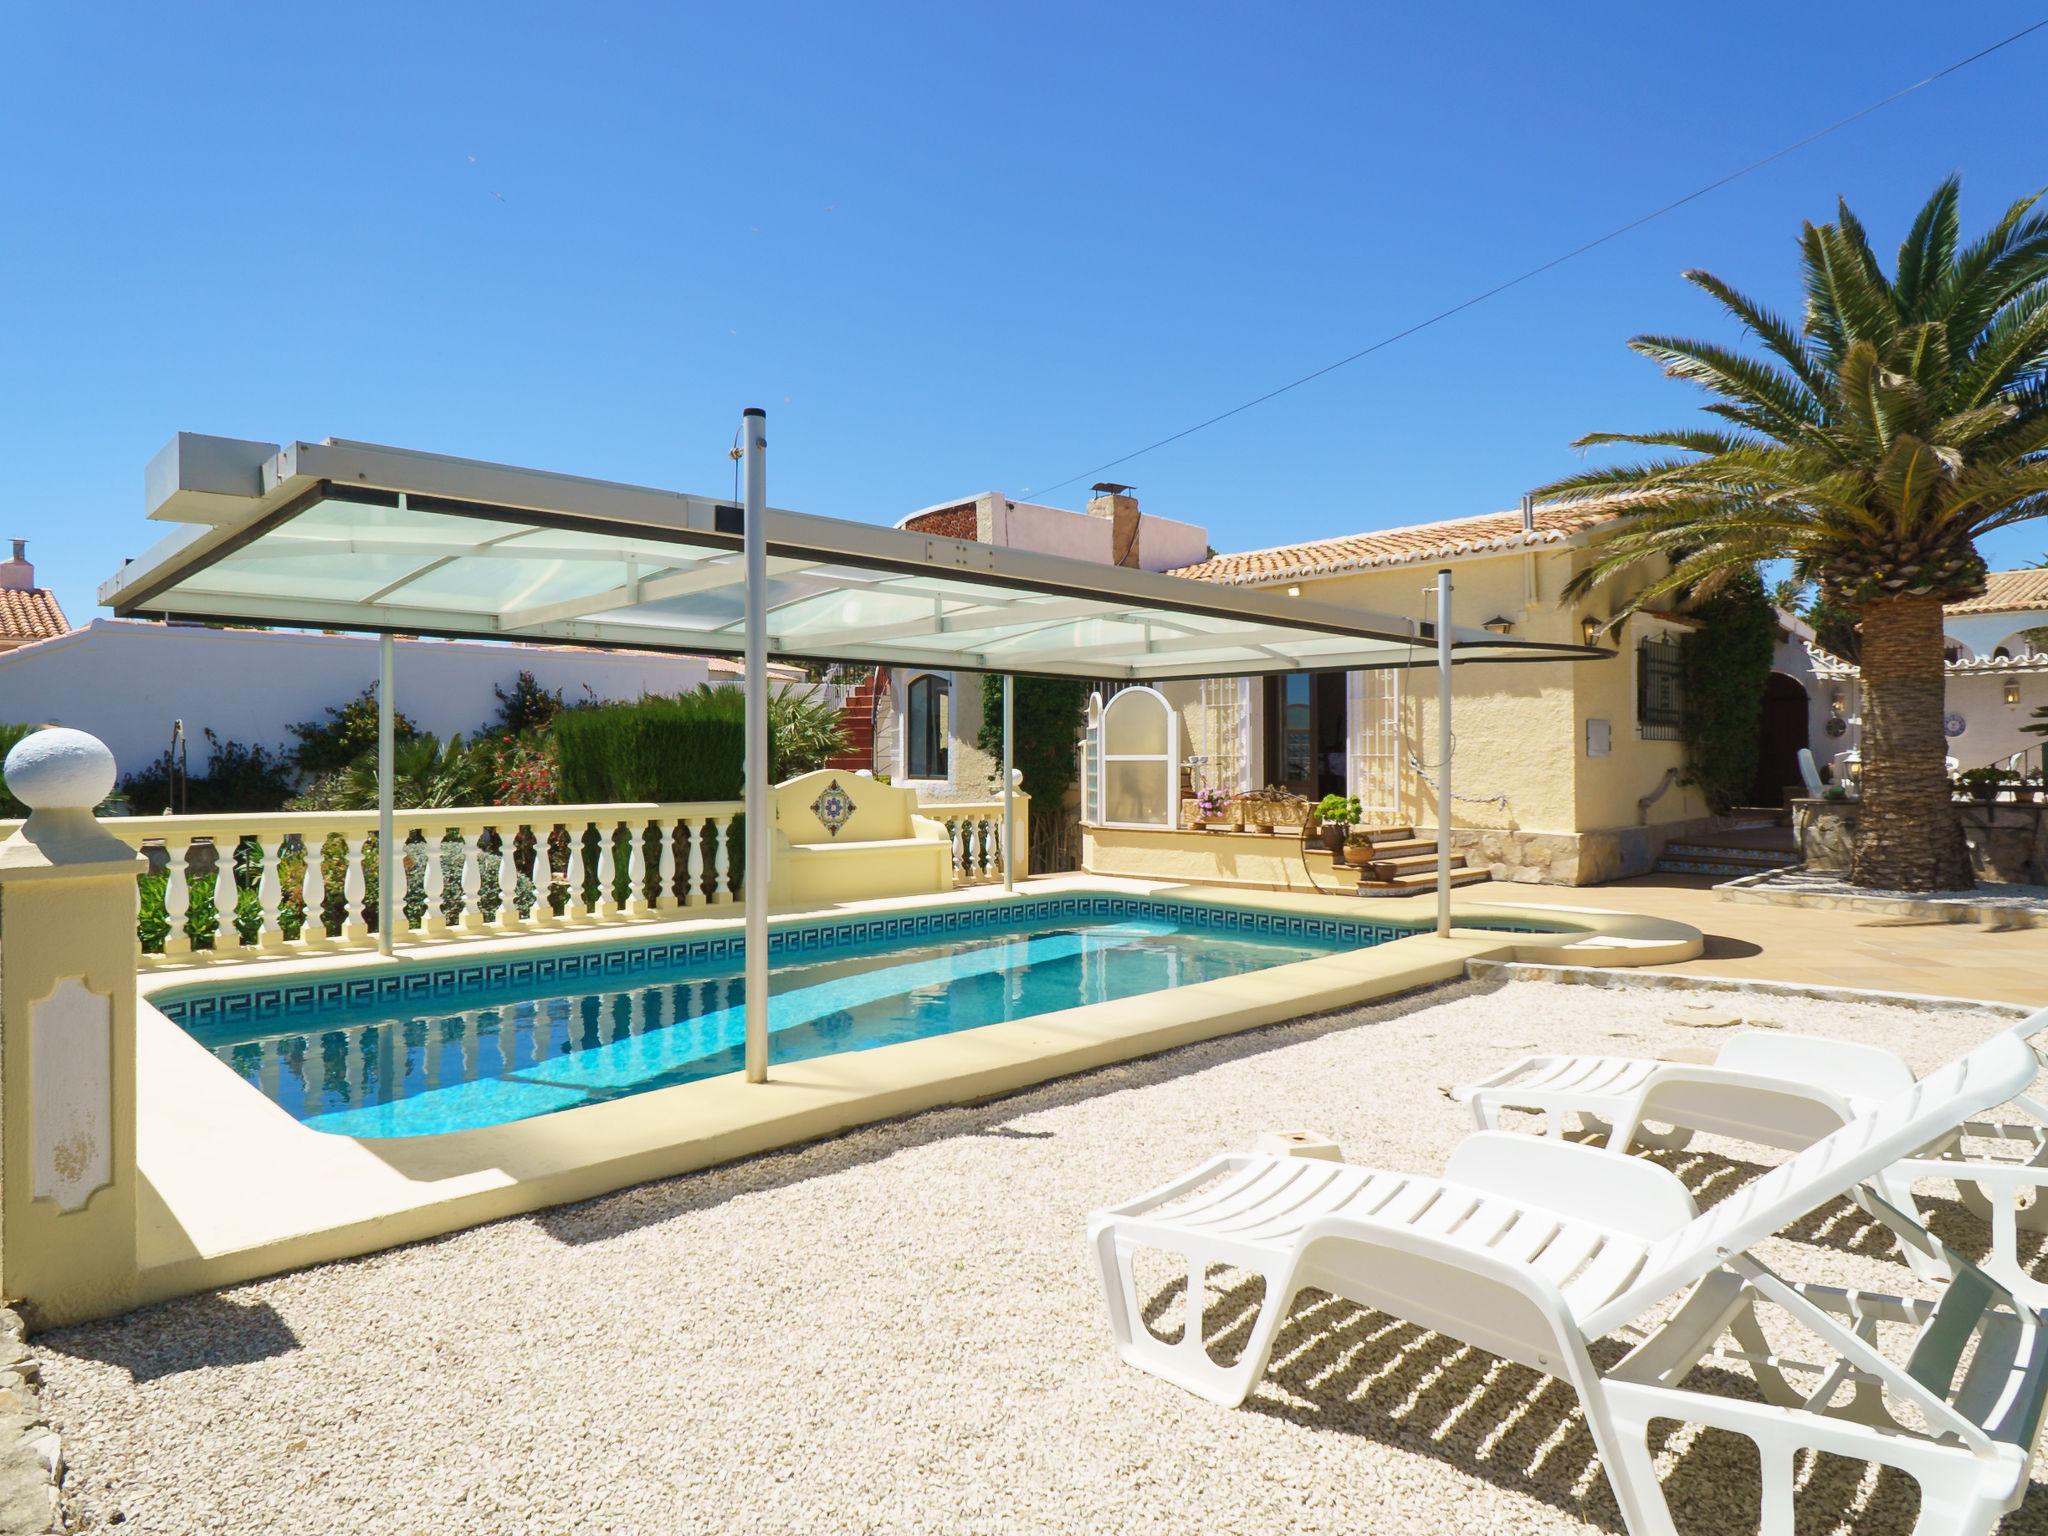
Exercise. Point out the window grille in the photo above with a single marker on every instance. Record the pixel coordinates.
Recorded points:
(1660, 689)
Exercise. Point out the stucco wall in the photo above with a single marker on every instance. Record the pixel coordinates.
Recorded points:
(1991, 727)
(126, 681)
(972, 774)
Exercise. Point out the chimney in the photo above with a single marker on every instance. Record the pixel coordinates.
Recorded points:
(1528, 513)
(1115, 502)
(17, 575)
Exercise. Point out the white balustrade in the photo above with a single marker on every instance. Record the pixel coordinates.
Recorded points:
(313, 891)
(665, 865)
(577, 908)
(177, 896)
(607, 870)
(472, 883)
(433, 880)
(636, 871)
(693, 864)
(354, 887)
(690, 866)
(508, 877)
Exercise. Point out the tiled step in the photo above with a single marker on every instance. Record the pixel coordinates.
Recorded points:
(1419, 884)
(1717, 853)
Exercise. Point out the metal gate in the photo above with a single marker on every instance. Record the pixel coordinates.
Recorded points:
(1375, 755)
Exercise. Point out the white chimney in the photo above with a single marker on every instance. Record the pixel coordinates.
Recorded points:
(1528, 514)
(17, 575)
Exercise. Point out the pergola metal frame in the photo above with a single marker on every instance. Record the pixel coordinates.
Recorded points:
(260, 519)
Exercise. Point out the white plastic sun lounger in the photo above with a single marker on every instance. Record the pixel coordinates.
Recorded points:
(1786, 1090)
(1532, 1250)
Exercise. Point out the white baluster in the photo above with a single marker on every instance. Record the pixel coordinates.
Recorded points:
(987, 840)
(508, 877)
(314, 930)
(636, 870)
(433, 879)
(952, 824)
(269, 895)
(693, 863)
(721, 862)
(665, 867)
(177, 898)
(354, 885)
(472, 882)
(607, 870)
(576, 909)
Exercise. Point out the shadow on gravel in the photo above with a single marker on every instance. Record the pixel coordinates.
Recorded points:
(1344, 1369)
(614, 1215)
(189, 1334)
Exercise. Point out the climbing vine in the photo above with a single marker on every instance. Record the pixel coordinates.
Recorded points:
(1727, 664)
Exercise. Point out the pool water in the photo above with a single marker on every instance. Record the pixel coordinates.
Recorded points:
(490, 1054)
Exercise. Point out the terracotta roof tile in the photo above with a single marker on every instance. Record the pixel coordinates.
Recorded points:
(1491, 531)
(2007, 592)
(31, 615)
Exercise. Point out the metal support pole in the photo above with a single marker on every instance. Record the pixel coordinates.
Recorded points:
(387, 847)
(1443, 751)
(1009, 782)
(754, 466)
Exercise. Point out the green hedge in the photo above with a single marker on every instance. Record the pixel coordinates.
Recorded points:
(691, 747)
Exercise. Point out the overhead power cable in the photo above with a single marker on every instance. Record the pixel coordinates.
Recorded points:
(1557, 261)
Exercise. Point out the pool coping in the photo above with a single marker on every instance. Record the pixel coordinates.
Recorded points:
(294, 1196)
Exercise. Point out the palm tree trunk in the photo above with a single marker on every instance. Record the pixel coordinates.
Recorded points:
(1907, 838)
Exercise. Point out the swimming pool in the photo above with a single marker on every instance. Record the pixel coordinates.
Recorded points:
(455, 1046)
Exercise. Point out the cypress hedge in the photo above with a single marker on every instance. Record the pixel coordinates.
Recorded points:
(691, 747)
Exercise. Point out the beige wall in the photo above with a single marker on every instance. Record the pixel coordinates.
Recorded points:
(1521, 729)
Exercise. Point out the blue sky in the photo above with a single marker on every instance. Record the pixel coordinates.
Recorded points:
(949, 248)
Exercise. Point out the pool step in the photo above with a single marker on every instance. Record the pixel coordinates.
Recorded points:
(1422, 881)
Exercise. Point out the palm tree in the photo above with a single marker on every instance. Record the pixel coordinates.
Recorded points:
(1872, 447)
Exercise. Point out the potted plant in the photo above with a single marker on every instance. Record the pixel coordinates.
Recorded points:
(2027, 787)
(1835, 792)
(1334, 815)
(1984, 784)
(1210, 803)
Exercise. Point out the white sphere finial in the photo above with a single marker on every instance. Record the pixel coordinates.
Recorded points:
(60, 770)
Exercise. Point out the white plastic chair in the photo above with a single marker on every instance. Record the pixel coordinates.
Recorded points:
(1531, 1250)
(1778, 1089)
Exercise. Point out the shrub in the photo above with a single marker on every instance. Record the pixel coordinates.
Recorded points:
(1726, 664)
(237, 778)
(528, 707)
(803, 730)
(349, 731)
(691, 746)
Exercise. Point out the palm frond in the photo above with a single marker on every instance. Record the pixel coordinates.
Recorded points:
(1929, 248)
(1772, 330)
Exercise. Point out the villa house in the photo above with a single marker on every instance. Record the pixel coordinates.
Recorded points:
(1996, 677)
(1564, 774)
(27, 612)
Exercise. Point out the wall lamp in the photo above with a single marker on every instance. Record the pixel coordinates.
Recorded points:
(1499, 624)
(1590, 628)
(2012, 690)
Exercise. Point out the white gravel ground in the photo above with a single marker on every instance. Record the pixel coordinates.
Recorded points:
(897, 1331)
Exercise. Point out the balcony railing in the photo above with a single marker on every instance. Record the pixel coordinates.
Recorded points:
(271, 885)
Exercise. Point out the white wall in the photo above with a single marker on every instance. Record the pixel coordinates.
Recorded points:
(1049, 530)
(1167, 545)
(126, 681)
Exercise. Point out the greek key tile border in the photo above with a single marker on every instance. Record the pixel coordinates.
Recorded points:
(204, 1005)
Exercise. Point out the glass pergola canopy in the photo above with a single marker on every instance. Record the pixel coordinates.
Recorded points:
(354, 536)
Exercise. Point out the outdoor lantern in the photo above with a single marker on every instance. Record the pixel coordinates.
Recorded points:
(2012, 690)
(1838, 702)
(1590, 628)
(1499, 624)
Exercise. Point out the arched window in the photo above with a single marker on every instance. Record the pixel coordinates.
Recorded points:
(1140, 760)
(927, 726)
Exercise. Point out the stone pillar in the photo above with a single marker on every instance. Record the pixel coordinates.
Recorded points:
(68, 956)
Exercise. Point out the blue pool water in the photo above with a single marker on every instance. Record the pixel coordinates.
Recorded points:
(474, 1045)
